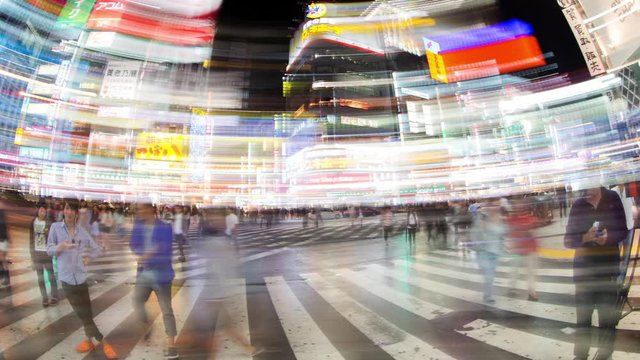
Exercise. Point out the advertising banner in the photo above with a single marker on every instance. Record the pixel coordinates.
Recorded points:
(160, 146)
(585, 40)
(75, 13)
(614, 24)
(121, 80)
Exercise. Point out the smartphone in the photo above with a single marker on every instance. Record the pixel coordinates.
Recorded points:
(599, 229)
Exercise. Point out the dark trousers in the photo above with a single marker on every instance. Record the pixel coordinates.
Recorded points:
(563, 208)
(180, 239)
(5, 278)
(603, 299)
(411, 234)
(78, 296)
(386, 231)
(141, 294)
(42, 265)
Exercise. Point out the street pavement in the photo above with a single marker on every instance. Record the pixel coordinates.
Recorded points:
(333, 292)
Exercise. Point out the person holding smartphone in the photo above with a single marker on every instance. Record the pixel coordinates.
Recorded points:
(595, 229)
(74, 249)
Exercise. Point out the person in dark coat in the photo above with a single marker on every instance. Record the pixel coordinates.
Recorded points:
(595, 229)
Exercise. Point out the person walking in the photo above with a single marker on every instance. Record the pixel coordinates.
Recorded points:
(221, 288)
(596, 227)
(387, 223)
(74, 249)
(179, 226)
(412, 226)
(42, 262)
(523, 244)
(231, 223)
(5, 278)
(488, 233)
(151, 242)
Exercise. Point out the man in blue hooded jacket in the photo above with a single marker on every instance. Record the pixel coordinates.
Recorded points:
(151, 242)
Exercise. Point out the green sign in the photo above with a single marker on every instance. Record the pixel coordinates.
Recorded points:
(75, 13)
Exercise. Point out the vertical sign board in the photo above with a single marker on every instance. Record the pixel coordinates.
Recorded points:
(121, 80)
(585, 40)
(75, 13)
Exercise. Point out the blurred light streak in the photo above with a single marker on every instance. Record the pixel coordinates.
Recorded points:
(44, 84)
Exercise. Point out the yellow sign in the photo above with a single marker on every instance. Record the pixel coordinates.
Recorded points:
(437, 67)
(161, 146)
(315, 11)
(19, 133)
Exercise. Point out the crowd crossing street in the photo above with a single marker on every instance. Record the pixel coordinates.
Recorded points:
(333, 292)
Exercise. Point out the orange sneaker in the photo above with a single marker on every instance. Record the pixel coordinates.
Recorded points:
(85, 346)
(109, 351)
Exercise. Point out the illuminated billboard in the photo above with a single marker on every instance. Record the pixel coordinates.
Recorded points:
(161, 146)
(492, 50)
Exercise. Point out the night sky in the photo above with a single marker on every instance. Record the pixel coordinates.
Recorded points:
(268, 26)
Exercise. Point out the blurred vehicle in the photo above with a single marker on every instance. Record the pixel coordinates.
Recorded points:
(330, 214)
(369, 211)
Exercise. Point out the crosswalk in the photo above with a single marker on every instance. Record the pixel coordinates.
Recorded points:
(422, 305)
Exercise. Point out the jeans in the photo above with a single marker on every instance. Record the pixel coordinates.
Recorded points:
(141, 294)
(487, 262)
(78, 296)
(41, 266)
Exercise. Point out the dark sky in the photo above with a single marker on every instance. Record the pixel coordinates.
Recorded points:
(266, 27)
(548, 21)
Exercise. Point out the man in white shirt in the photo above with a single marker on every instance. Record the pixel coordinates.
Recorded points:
(231, 220)
(178, 233)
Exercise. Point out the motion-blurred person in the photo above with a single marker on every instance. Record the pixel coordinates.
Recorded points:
(94, 230)
(596, 227)
(151, 242)
(412, 226)
(74, 249)
(5, 278)
(42, 261)
(231, 222)
(487, 235)
(84, 216)
(562, 201)
(220, 290)
(387, 223)
(524, 244)
(305, 218)
(179, 227)
(628, 203)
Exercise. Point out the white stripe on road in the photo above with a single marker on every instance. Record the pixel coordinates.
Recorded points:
(525, 344)
(472, 263)
(182, 303)
(536, 309)
(263, 254)
(307, 340)
(237, 307)
(393, 340)
(106, 321)
(556, 288)
(413, 304)
(28, 326)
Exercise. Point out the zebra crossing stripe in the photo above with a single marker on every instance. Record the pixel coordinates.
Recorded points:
(106, 322)
(22, 329)
(263, 254)
(471, 263)
(393, 340)
(305, 337)
(529, 345)
(410, 303)
(565, 289)
(237, 308)
(182, 303)
(536, 309)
